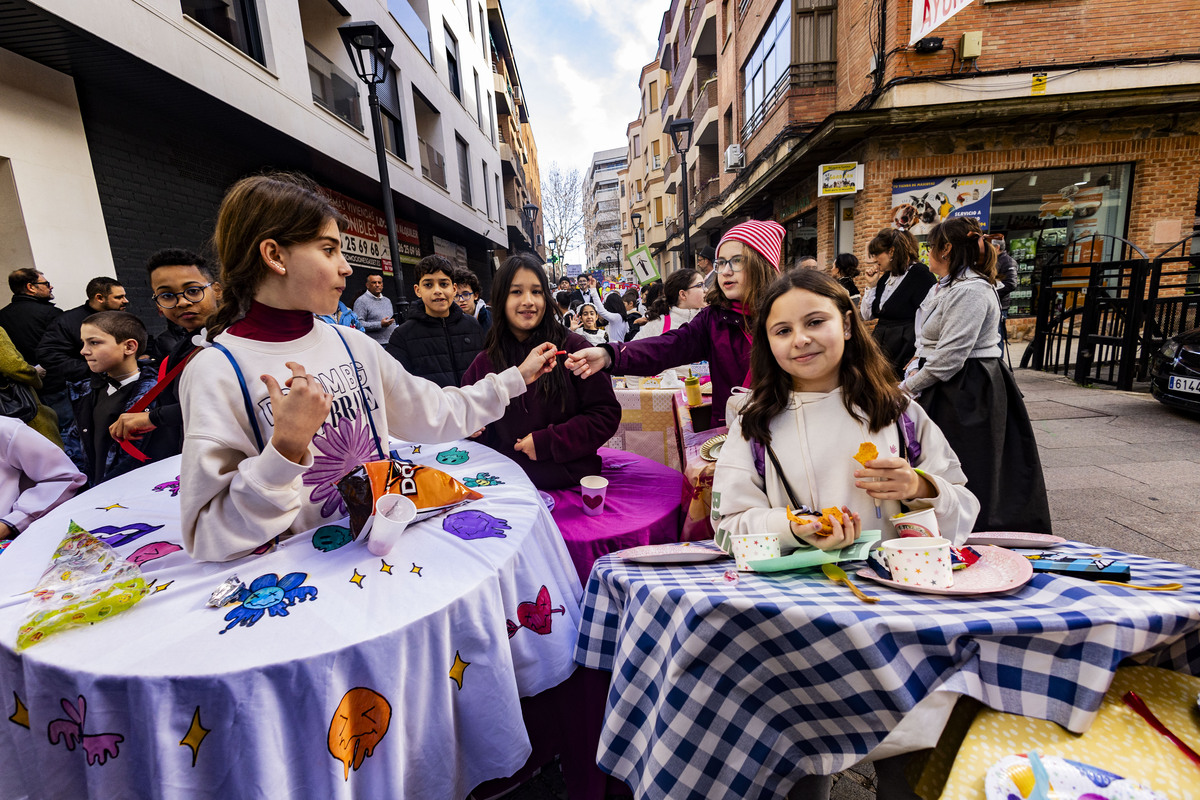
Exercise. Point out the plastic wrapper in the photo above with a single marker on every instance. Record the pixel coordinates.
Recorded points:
(86, 582)
(431, 490)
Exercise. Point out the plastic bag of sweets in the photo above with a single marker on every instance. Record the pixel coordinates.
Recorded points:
(431, 490)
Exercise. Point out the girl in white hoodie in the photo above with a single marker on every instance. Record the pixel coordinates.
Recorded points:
(821, 388)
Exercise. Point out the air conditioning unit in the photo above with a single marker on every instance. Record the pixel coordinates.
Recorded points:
(735, 158)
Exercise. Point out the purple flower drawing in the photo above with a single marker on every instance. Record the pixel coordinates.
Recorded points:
(340, 449)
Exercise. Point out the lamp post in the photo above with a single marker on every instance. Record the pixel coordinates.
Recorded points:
(636, 219)
(608, 265)
(681, 137)
(530, 212)
(371, 51)
(553, 260)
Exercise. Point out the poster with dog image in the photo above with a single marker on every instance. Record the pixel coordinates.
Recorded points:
(920, 203)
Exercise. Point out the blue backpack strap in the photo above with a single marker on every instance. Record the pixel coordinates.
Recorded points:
(362, 393)
(245, 394)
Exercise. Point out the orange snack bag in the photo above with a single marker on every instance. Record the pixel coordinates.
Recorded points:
(431, 490)
(867, 451)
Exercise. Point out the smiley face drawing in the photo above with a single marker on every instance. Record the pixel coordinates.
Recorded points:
(358, 725)
(453, 456)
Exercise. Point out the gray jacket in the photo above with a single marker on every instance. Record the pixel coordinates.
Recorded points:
(957, 321)
(372, 311)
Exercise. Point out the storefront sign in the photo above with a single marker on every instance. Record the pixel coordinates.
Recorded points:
(644, 269)
(919, 204)
(839, 179)
(455, 252)
(929, 14)
(365, 240)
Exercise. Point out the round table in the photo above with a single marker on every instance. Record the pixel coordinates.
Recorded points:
(642, 506)
(367, 677)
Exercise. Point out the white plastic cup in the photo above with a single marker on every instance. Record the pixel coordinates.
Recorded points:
(917, 523)
(594, 489)
(919, 561)
(753, 547)
(393, 513)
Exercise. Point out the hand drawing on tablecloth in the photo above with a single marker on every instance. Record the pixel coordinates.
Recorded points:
(458, 670)
(339, 450)
(98, 746)
(358, 725)
(20, 715)
(471, 524)
(482, 479)
(536, 616)
(111, 507)
(195, 735)
(118, 535)
(149, 552)
(453, 456)
(169, 486)
(271, 594)
(330, 537)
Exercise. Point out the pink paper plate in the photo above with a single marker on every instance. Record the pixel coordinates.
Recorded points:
(998, 570)
(674, 553)
(1015, 539)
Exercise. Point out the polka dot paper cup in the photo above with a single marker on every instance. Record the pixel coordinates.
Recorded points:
(919, 561)
(754, 547)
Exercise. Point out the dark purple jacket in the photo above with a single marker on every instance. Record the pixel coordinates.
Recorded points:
(715, 335)
(566, 438)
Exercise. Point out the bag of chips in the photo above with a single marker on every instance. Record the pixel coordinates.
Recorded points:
(431, 490)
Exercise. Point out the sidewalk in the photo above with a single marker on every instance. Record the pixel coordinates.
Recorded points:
(1122, 471)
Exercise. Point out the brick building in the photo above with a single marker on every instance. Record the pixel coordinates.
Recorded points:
(1048, 121)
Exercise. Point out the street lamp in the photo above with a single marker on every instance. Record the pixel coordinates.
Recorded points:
(681, 137)
(636, 219)
(608, 265)
(530, 211)
(371, 51)
(553, 260)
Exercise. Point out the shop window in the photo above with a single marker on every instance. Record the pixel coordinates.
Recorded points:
(235, 21)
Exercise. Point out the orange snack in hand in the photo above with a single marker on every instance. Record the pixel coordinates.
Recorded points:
(826, 515)
(866, 452)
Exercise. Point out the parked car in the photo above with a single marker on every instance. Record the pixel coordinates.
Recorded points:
(1175, 372)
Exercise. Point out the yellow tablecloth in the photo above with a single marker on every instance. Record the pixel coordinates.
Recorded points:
(1119, 740)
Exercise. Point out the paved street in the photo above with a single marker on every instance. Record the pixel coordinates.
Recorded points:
(1122, 470)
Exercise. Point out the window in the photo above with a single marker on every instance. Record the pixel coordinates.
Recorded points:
(470, 22)
(478, 101)
(487, 196)
(464, 168)
(656, 158)
(452, 64)
(235, 21)
(483, 33)
(499, 198)
(389, 105)
(816, 42)
(492, 116)
(622, 188)
(637, 145)
(332, 89)
(653, 95)
(766, 71)
(658, 211)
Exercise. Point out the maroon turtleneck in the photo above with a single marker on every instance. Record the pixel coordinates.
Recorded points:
(266, 324)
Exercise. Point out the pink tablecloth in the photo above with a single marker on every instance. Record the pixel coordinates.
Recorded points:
(642, 507)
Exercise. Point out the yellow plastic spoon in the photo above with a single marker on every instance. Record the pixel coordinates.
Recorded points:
(838, 575)
(1166, 587)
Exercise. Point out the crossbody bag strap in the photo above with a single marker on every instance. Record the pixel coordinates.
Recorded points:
(245, 395)
(362, 393)
(787, 487)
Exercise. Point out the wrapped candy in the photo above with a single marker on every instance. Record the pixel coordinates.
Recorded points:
(86, 582)
(431, 490)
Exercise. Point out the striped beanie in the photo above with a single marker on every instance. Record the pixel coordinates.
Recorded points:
(765, 236)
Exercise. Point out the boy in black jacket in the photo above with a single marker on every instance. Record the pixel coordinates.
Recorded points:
(437, 341)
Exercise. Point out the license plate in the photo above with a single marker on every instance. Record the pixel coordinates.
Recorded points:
(1189, 385)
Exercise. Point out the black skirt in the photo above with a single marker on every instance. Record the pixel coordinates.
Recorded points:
(898, 340)
(981, 412)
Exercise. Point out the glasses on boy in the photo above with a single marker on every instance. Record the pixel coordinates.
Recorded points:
(464, 296)
(193, 294)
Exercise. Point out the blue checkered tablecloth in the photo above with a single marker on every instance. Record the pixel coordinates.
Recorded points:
(723, 690)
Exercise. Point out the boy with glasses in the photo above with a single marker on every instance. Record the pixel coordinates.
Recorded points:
(186, 295)
(469, 296)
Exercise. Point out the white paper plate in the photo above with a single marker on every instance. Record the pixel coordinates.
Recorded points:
(674, 553)
(1015, 539)
(1012, 776)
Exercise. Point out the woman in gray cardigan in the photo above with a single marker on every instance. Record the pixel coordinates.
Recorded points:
(960, 380)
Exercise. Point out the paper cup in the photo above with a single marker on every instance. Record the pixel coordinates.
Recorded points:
(594, 489)
(919, 561)
(393, 513)
(754, 547)
(916, 523)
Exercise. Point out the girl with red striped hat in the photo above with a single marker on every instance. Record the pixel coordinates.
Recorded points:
(747, 260)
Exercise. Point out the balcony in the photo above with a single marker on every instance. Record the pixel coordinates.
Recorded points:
(433, 163)
(505, 103)
(514, 219)
(332, 89)
(412, 24)
(706, 98)
(708, 191)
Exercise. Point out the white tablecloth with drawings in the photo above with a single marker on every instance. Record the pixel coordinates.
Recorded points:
(344, 675)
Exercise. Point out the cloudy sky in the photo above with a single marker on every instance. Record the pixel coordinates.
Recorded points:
(579, 62)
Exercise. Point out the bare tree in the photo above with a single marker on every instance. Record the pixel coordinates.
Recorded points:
(562, 206)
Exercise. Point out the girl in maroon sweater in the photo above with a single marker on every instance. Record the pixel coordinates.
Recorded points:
(553, 430)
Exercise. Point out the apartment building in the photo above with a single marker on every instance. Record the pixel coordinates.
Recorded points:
(1051, 123)
(601, 211)
(123, 122)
